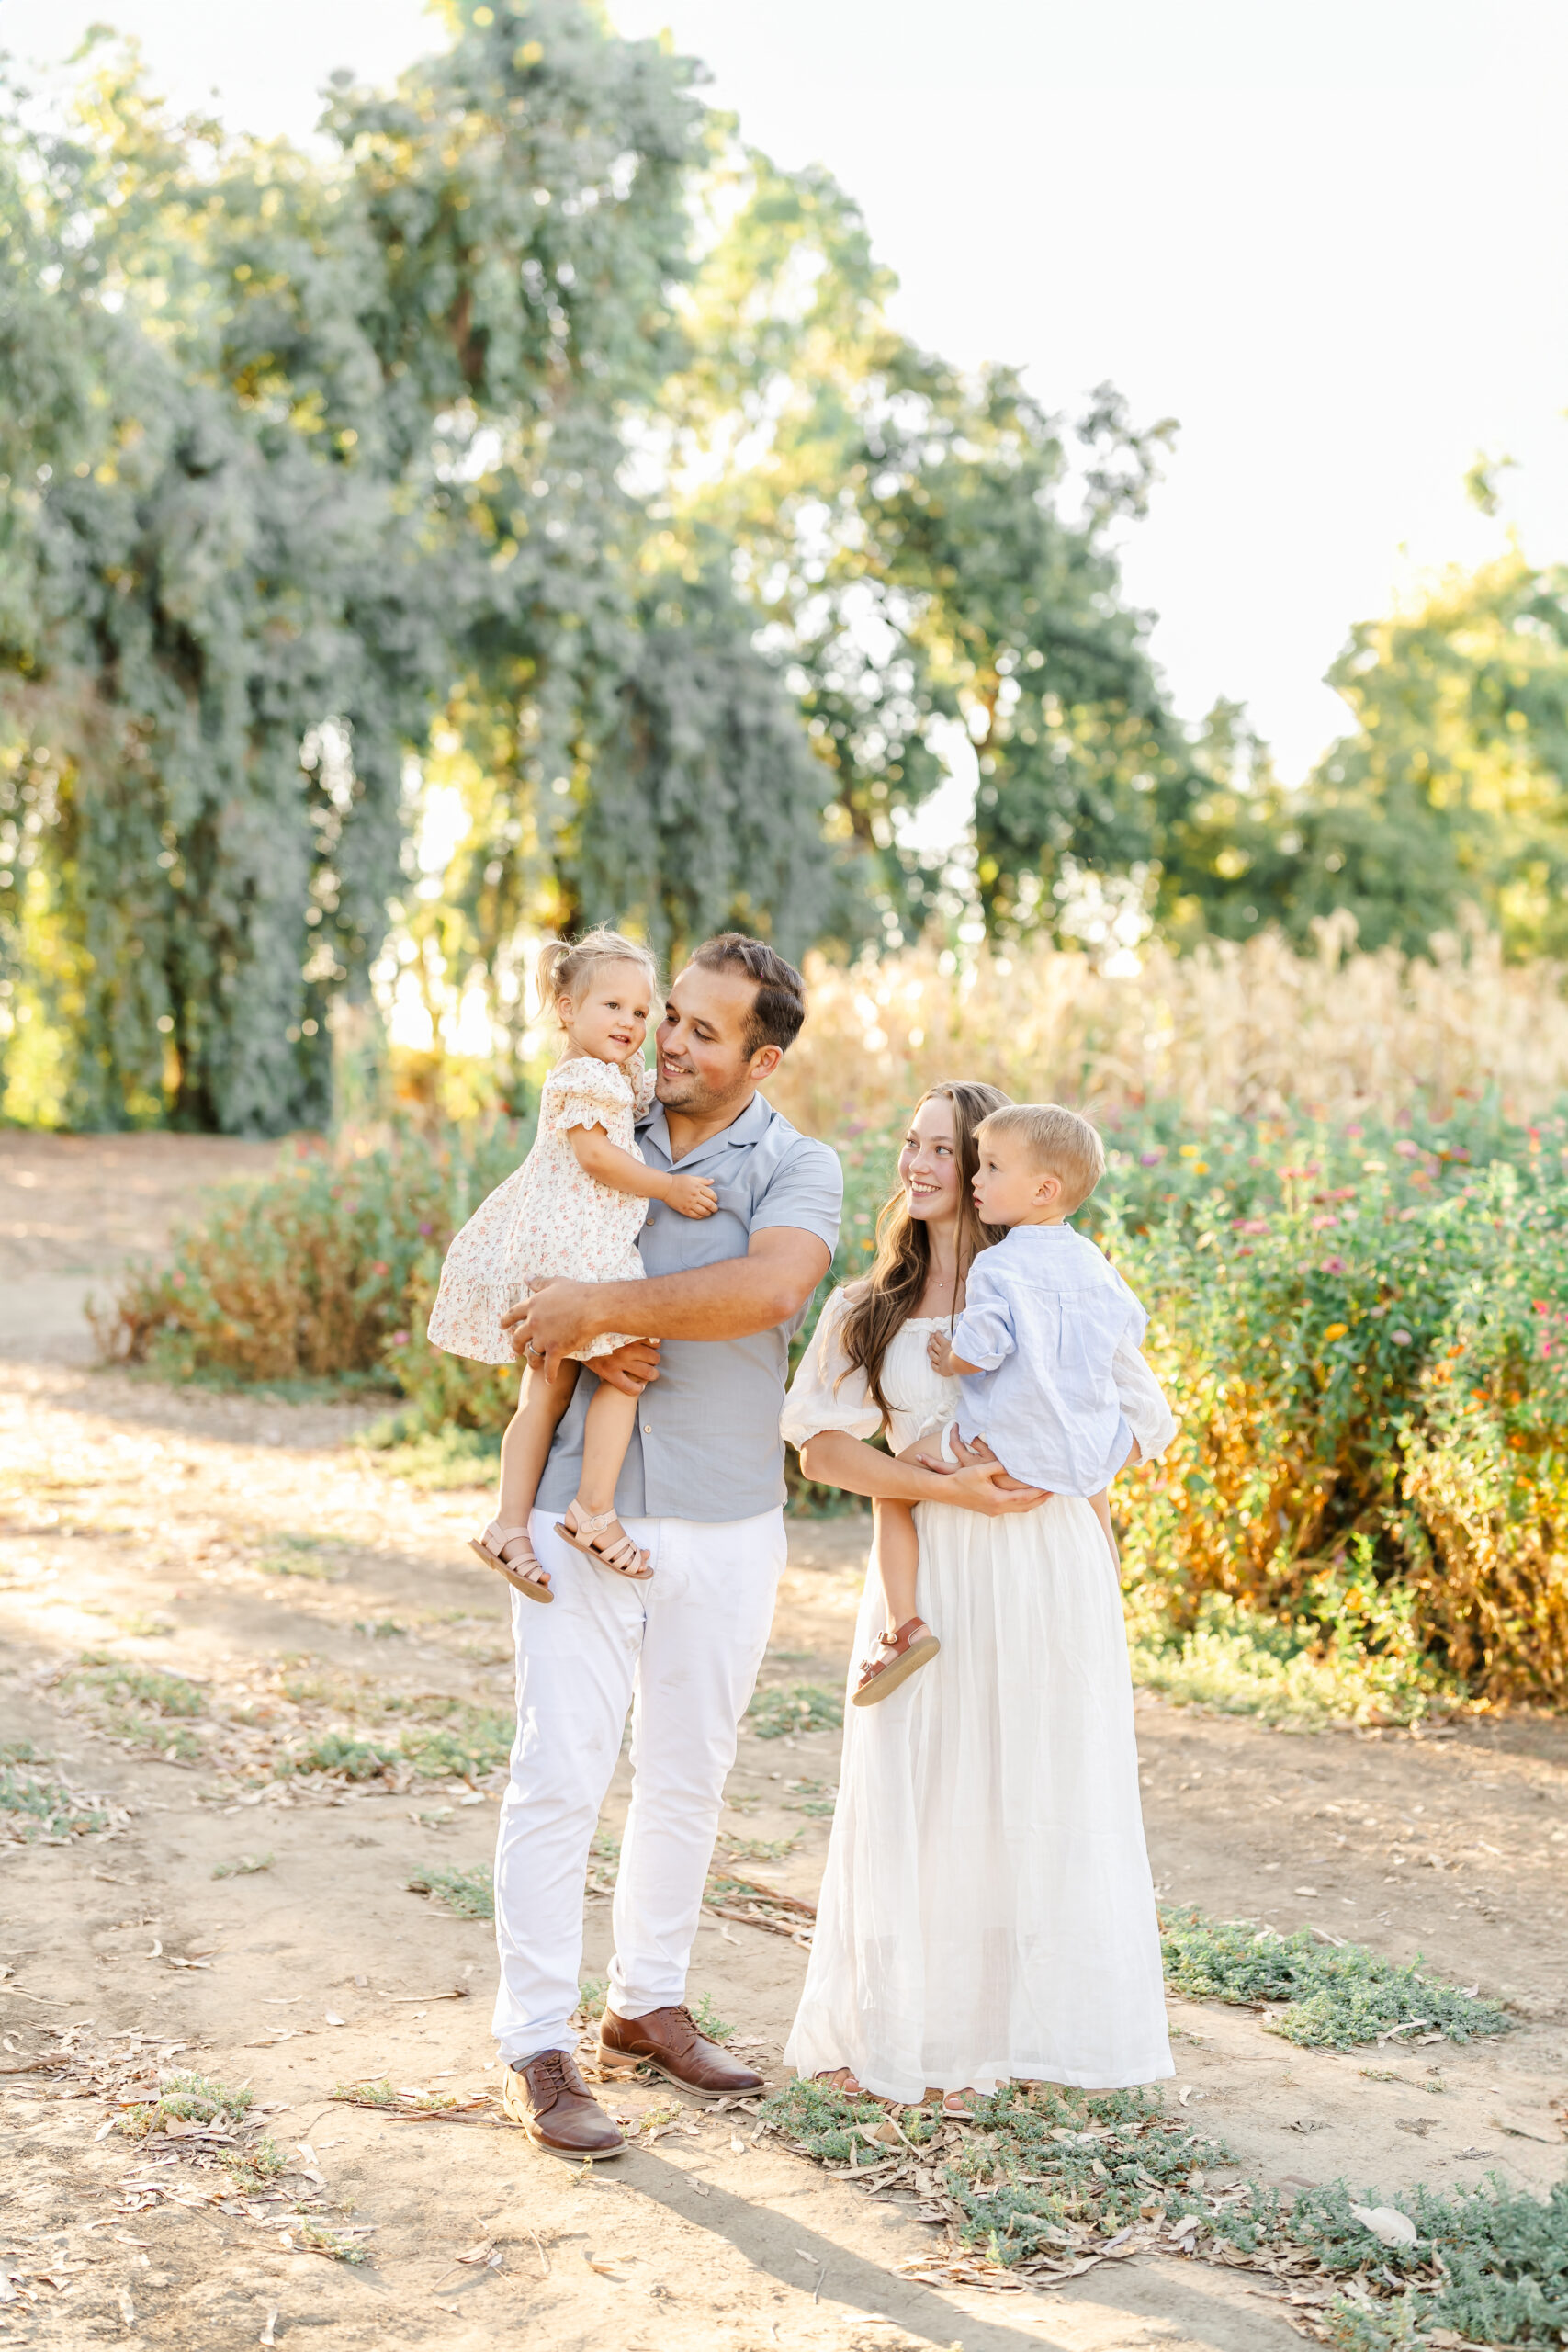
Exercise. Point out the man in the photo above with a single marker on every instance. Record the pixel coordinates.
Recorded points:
(703, 1493)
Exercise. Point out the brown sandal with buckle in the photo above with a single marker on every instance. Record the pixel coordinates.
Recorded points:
(585, 1532)
(510, 1551)
(902, 1654)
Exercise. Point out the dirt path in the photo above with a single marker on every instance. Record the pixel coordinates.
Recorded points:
(249, 1548)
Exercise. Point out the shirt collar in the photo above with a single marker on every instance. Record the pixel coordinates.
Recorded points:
(741, 1135)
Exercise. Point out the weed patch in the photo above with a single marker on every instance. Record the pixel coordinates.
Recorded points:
(256, 2167)
(1335, 1996)
(802, 1707)
(434, 1460)
(474, 1743)
(34, 1805)
(353, 1759)
(299, 1555)
(470, 1894)
(244, 1865)
(706, 2019)
(186, 2098)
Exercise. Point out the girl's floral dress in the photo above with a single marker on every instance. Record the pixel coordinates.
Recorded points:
(549, 1217)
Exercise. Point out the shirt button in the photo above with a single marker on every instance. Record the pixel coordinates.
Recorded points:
(648, 1428)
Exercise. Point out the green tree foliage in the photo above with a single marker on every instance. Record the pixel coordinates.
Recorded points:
(543, 434)
(1451, 794)
(925, 547)
(296, 456)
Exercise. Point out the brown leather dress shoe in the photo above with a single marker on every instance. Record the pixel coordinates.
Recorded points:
(549, 2098)
(668, 2040)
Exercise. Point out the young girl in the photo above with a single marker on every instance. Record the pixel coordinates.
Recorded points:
(575, 1207)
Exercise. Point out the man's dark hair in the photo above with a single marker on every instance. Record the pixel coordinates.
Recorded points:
(780, 1007)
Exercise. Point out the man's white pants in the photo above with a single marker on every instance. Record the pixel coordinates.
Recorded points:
(687, 1643)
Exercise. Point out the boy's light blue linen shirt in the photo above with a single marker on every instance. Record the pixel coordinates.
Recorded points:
(1047, 1317)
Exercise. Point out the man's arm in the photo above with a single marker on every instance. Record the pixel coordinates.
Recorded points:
(729, 1301)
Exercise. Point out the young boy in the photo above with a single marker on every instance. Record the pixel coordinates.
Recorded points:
(1047, 1351)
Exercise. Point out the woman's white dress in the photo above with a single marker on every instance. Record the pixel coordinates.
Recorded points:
(549, 1216)
(987, 1912)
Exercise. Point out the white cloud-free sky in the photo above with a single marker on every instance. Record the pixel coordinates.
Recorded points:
(1332, 240)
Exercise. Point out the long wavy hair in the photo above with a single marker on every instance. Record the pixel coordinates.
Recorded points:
(898, 1275)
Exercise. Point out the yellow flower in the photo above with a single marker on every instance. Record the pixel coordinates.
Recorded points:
(1336, 1330)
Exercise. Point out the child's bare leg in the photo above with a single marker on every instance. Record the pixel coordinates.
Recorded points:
(606, 1433)
(908, 1643)
(526, 1447)
(897, 1550)
(591, 1522)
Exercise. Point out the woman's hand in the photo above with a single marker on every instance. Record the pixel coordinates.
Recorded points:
(692, 1195)
(979, 1482)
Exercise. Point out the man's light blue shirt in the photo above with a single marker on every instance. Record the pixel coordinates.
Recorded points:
(706, 1444)
(1055, 1332)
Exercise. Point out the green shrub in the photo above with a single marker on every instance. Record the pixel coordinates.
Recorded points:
(1360, 1327)
(321, 1268)
(1361, 1332)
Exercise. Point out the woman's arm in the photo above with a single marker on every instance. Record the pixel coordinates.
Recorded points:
(623, 1172)
(836, 1459)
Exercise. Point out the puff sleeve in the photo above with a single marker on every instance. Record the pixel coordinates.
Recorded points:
(825, 1393)
(583, 1093)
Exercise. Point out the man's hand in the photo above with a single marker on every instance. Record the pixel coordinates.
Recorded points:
(557, 1320)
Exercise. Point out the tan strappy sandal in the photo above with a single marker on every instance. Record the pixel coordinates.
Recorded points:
(899, 1656)
(510, 1551)
(584, 1532)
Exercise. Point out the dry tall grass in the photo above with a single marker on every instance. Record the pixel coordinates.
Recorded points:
(1256, 1030)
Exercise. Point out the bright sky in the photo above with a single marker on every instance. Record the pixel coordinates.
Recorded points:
(1331, 239)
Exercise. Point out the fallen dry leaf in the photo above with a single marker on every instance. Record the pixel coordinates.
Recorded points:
(1387, 2224)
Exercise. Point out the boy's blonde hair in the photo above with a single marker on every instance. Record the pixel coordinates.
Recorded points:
(564, 964)
(1060, 1142)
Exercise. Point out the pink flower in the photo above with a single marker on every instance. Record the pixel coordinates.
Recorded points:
(1333, 1266)
(1251, 1224)
(379, 1266)
(1322, 1224)
(1150, 1158)
(399, 1339)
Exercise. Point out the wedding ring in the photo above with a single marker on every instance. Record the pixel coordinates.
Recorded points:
(532, 1352)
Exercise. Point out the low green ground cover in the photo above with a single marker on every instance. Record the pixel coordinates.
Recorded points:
(34, 1805)
(802, 1707)
(1043, 2177)
(1335, 1995)
(469, 1894)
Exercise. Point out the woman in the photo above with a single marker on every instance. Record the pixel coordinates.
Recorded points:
(987, 1912)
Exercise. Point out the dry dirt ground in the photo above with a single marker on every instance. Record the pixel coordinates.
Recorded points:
(249, 1545)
